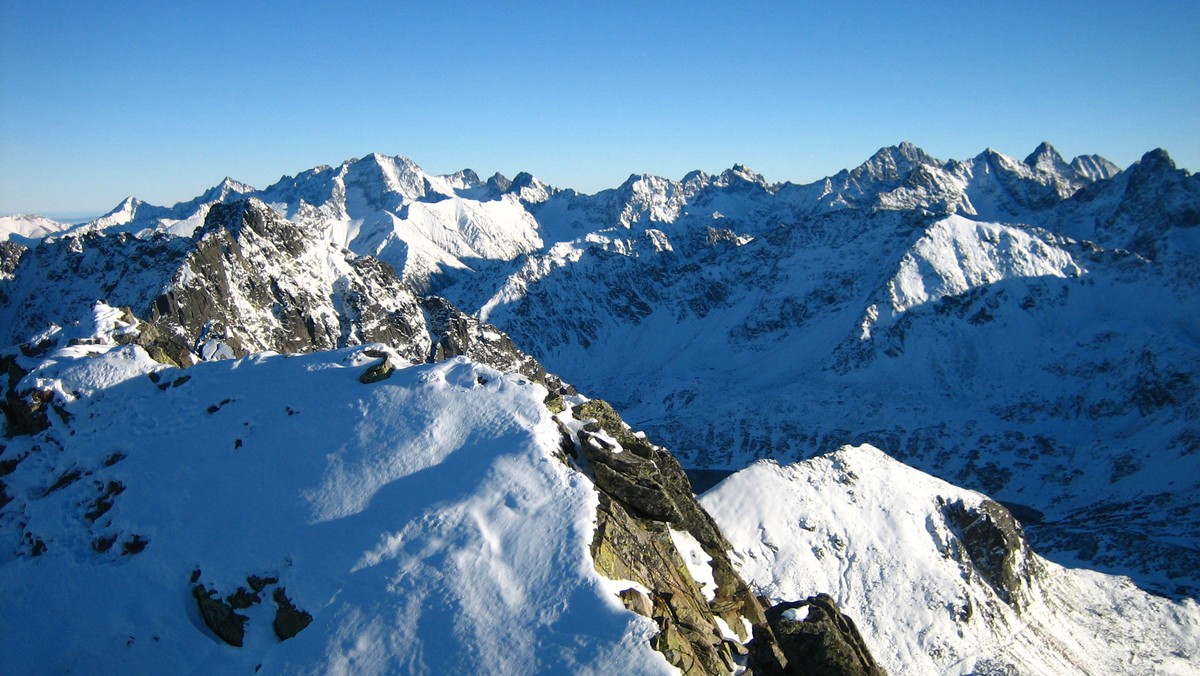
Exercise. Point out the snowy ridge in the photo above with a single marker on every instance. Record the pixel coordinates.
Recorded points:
(431, 500)
(955, 255)
(28, 228)
(880, 538)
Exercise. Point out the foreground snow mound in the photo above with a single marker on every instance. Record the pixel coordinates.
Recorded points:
(939, 579)
(282, 512)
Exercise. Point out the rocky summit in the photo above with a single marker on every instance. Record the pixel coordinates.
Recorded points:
(374, 420)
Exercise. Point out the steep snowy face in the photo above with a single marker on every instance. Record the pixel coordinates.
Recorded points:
(955, 255)
(286, 517)
(420, 224)
(939, 579)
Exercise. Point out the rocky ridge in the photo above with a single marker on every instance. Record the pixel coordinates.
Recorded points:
(249, 281)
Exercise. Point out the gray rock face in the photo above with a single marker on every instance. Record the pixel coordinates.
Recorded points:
(644, 495)
(824, 642)
(255, 281)
(220, 614)
(248, 280)
(996, 549)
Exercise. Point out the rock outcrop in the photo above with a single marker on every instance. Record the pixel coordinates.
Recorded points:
(710, 626)
(811, 637)
(996, 549)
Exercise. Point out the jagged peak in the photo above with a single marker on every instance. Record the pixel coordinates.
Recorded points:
(235, 185)
(643, 179)
(1045, 157)
(233, 215)
(529, 188)
(1156, 159)
(892, 163)
(523, 179)
(499, 182)
(222, 190)
(386, 163)
(1094, 167)
(740, 173)
(125, 210)
(996, 158)
(907, 150)
(467, 177)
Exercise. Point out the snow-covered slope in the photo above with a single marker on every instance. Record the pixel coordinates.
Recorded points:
(421, 524)
(27, 229)
(349, 512)
(939, 579)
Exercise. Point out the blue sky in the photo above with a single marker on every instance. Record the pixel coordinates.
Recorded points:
(160, 100)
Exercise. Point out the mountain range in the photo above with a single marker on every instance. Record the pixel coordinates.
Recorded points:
(1024, 329)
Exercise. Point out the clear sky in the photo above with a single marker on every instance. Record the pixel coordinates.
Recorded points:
(160, 100)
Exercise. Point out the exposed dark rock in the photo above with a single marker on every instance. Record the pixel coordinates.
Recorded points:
(260, 583)
(242, 599)
(65, 479)
(103, 503)
(289, 620)
(380, 370)
(643, 495)
(24, 413)
(457, 334)
(11, 254)
(219, 616)
(113, 459)
(824, 642)
(996, 546)
(135, 545)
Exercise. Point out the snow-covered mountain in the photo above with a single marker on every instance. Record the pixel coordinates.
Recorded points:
(1016, 356)
(941, 580)
(1023, 328)
(28, 229)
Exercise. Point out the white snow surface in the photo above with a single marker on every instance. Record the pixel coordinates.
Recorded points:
(423, 521)
(870, 532)
(957, 254)
(28, 228)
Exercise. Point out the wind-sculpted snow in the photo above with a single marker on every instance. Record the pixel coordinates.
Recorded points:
(889, 545)
(422, 523)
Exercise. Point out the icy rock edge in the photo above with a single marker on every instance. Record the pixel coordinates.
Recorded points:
(645, 502)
